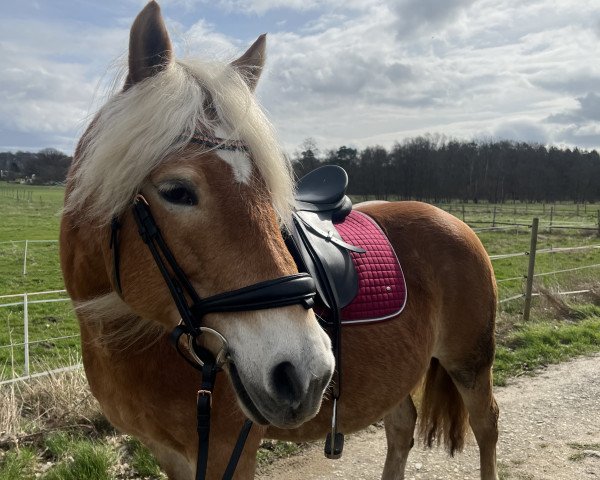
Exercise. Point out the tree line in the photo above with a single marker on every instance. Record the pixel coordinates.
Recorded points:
(421, 168)
(44, 167)
(428, 169)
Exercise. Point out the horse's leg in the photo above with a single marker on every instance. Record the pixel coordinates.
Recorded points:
(174, 463)
(399, 431)
(476, 392)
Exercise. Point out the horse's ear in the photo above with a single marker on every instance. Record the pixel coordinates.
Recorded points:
(150, 49)
(250, 64)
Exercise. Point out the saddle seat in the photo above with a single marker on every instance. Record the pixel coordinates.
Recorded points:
(324, 190)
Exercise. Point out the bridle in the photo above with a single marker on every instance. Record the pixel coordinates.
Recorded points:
(295, 289)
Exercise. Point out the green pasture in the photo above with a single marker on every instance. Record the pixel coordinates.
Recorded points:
(565, 327)
(32, 213)
(29, 212)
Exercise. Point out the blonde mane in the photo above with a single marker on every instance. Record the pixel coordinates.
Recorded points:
(121, 328)
(139, 127)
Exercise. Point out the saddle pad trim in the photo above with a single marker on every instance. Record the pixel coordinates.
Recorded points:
(400, 279)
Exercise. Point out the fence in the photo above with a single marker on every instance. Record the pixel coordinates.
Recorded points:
(532, 253)
(26, 248)
(553, 215)
(52, 337)
(27, 299)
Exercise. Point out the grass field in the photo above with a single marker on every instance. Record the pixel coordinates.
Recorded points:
(60, 429)
(33, 213)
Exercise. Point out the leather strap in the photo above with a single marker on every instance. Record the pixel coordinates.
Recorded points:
(279, 292)
(237, 450)
(293, 289)
(330, 238)
(203, 408)
(116, 253)
(333, 301)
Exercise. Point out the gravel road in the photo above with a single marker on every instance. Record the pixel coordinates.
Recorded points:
(549, 429)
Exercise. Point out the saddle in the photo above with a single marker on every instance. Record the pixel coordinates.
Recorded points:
(356, 270)
(315, 244)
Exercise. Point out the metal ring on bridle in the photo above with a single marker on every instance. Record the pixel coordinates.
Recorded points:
(221, 358)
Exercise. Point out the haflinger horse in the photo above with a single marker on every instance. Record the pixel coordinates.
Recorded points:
(188, 142)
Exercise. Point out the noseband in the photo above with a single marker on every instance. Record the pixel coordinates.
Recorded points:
(296, 289)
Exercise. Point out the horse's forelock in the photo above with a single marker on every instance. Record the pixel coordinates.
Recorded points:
(138, 128)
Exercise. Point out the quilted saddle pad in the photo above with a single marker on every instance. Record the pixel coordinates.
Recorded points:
(381, 283)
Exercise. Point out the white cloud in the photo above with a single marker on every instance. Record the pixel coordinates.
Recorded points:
(482, 68)
(204, 39)
(356, 72)
(260, 7)
(51, 73)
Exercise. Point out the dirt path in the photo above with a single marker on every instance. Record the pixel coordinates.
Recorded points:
(549, 429)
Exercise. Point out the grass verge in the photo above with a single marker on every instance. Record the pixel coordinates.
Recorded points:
(559, 331)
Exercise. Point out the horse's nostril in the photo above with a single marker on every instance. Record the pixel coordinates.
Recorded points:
(286, 383)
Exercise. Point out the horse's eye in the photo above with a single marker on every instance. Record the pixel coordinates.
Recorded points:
(179, 194)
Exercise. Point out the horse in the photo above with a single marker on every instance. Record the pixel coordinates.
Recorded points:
(188, 140)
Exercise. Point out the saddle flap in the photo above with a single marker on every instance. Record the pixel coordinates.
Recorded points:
(322, 253)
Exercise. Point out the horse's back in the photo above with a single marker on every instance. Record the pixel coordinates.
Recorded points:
(433, 245)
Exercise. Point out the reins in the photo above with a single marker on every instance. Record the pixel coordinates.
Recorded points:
(288, 290)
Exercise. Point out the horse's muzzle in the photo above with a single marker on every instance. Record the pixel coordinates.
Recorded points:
(289, 397)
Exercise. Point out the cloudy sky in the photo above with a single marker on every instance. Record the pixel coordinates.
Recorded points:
(353, 72)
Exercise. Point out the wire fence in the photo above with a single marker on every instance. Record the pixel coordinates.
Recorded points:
(25, 300)
(528, 294)
(40, 334)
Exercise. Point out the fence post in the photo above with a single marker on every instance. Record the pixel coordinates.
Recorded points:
(463, 213)
(599, 223)
(26, 333)
(25, 258)
(494, 219)
(531, 268)
(551, 218)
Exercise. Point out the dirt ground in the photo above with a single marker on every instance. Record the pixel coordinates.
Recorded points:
(549, 429)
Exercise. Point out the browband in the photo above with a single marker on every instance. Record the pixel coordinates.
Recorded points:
(218, 143)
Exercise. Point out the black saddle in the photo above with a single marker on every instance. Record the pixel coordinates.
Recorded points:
(316, 246)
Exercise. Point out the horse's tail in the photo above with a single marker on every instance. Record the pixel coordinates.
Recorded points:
(443, 415)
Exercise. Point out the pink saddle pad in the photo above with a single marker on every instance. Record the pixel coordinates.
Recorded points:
(381, 284)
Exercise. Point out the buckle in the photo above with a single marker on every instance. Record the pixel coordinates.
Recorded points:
(204, 393)
(222, 356)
